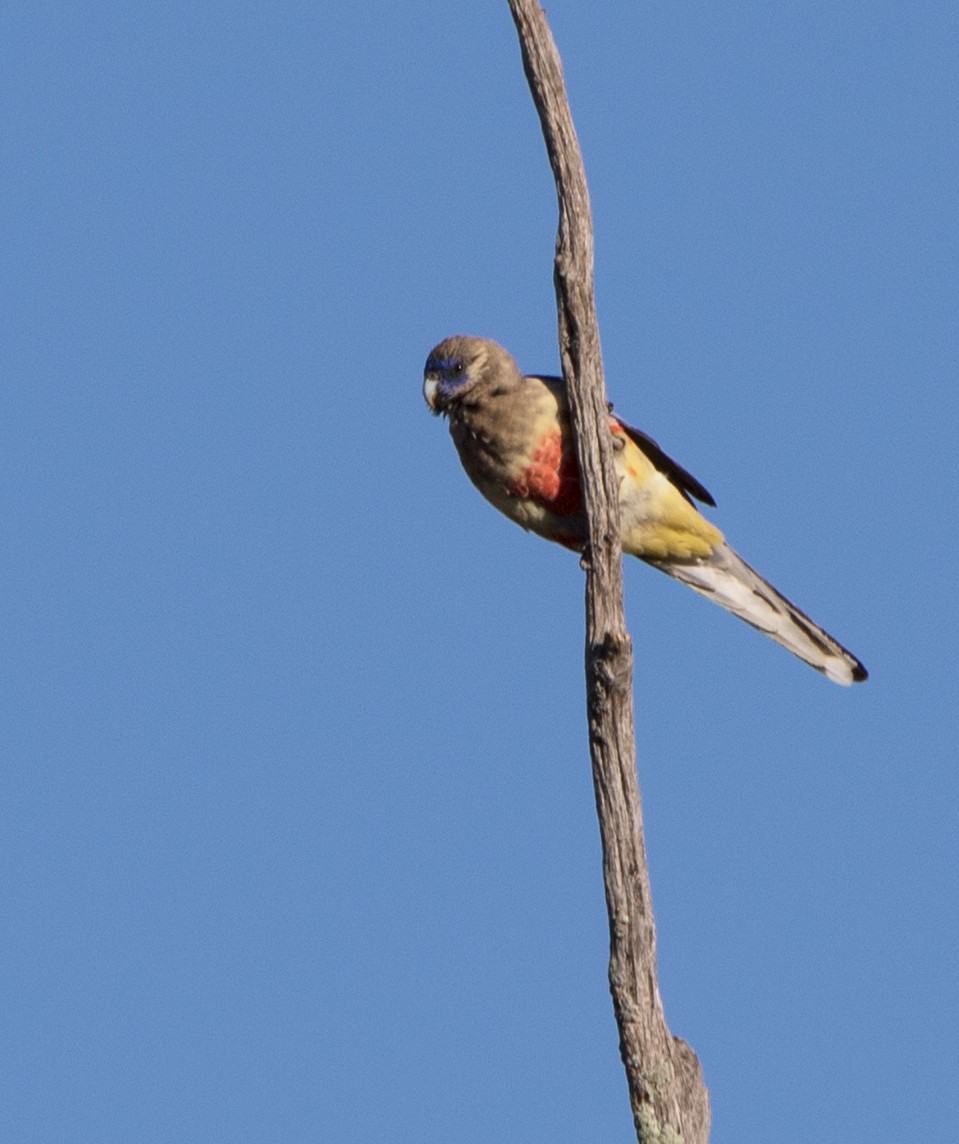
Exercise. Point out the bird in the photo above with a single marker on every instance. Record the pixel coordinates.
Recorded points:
(513, 435)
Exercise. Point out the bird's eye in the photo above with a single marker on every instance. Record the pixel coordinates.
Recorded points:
(457, 369)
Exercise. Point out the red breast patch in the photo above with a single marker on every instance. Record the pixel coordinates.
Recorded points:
(552, 476)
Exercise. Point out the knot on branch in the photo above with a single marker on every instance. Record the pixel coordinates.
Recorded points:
(610, 662)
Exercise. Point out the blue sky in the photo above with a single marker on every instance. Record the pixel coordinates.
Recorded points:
(296, 826)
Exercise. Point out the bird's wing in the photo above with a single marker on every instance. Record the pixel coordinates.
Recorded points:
(683, 480)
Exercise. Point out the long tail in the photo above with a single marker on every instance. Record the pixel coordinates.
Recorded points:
(727, 580)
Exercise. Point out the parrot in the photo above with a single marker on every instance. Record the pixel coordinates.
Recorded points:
(513, 435)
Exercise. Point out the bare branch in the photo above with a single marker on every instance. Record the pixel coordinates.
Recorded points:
(669, 1100)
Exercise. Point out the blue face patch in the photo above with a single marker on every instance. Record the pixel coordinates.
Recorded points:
(443, 365)
(451, 372)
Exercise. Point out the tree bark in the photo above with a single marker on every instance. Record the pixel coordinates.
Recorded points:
(669, 1100)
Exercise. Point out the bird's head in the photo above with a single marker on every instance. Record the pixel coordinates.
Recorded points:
(460, 365)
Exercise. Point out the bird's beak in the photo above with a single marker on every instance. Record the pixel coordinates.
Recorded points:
(429, 391)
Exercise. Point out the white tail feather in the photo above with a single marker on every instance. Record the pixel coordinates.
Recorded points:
(727, 580)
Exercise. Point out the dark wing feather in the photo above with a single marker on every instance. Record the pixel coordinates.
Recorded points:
(685, 482)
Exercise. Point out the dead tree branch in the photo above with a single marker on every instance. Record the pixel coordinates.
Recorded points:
(669, 1100)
